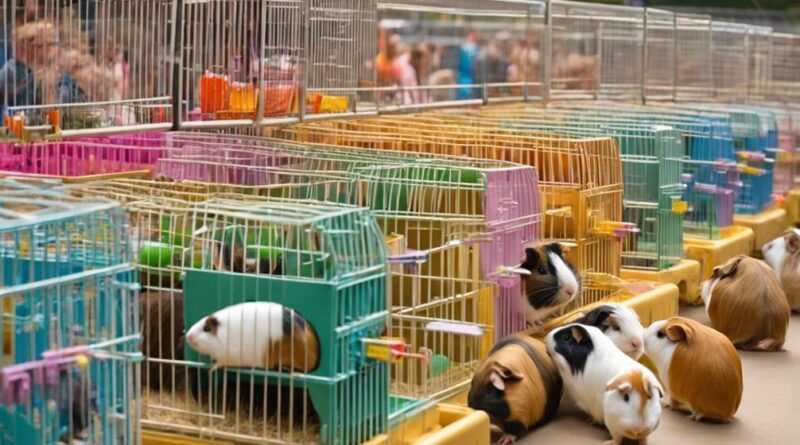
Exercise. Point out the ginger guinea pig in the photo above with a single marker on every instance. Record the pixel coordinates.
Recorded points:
(621, 324)
(257, 334)
(517, 385)
(745, 302)
(699, 367)
(783, 256)
(551, 284)
(604, 382)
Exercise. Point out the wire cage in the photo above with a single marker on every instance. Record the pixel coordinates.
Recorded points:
(652, 158)
(786, 158)
(785, 67)
(472, 50)
(597, 51)
(759, 51)
(70, 328)
(79, 67)
(82, 159)
(730, 61)
(660, 55)
(581, 206)
(204, 248)
(694, 76)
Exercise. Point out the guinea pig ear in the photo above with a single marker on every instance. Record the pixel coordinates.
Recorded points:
(654, 387)
(555, 248)
(620, 384)
(578, 334)
(599, 317)
(730, 268)
(501, 374)
(792, 241)
(531, 258)
(679, 332)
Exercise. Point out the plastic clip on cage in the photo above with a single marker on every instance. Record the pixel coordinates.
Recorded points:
(70, 328)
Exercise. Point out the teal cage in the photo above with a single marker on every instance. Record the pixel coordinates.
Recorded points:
(69, 322)
(652, 157)
(333, 273)
(711, 175)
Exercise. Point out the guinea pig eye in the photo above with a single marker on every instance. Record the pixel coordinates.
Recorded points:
(566, 336)
(206, 328)
(616, 328)
(661, 334)
(542, 270)
(626, 397)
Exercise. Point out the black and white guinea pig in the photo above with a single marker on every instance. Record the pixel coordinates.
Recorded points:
(552, 283)
(233, 257)
(621, 324)
(604, 382)
(257, 334)
(517, 385)
(783, 256)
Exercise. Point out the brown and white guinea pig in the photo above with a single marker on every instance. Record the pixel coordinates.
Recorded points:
(257, 334)
(699, 367)
(604, 382)
(551, 284)
(162, 337)
(233, 257)
(745, 302)
(517, 385)
(621, 324)
(783, 256)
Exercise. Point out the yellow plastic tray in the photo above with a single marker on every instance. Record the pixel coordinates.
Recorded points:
(442, 424)
(687, 275)
(155, 438)
(792, 206)
(766, 226)
(735, 240)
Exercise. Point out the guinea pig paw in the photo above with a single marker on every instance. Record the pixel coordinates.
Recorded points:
(507, 439)
(613, 441)
(696, 417)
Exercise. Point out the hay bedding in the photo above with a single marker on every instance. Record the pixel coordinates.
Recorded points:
(183, 410)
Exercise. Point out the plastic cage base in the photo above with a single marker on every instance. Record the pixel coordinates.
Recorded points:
(735, 240)
(686, 275)
(766, 226)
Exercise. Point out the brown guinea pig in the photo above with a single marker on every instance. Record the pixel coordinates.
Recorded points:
(518, 385)
(162, 338)
(783, 255)
(551, 283)
(699, 367)
(745, 302)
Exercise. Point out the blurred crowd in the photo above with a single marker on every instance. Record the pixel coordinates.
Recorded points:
(49, 61)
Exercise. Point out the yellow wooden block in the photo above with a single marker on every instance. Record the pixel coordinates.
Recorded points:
(442, 424)
(792, 207)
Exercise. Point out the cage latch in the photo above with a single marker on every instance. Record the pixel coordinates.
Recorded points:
(388, 349)
(615, 228)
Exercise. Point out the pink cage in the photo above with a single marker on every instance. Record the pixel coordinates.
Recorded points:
(83, 159)
(788, 154)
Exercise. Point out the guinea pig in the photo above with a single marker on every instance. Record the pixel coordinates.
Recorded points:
(517, 385)
(621, 324)
(551, 283)
(257, 334)
(783, 256)
(699, 367)
(233, 257)
(162, 337)
(599, 376)
(745, 302)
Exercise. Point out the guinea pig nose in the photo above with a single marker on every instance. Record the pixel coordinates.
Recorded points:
(636, 344)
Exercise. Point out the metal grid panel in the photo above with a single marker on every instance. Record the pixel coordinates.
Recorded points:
(597, 51)
(730, 61)
(660, 63)
(759, 50)
(785, 67)
(694, 74)
(340, 46)
(100, 65)
(459, 50)
(241, 61)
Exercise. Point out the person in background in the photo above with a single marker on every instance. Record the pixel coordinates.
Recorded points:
(466, 63)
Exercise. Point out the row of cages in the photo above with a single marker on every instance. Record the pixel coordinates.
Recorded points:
(85, 67)
(377, 255)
